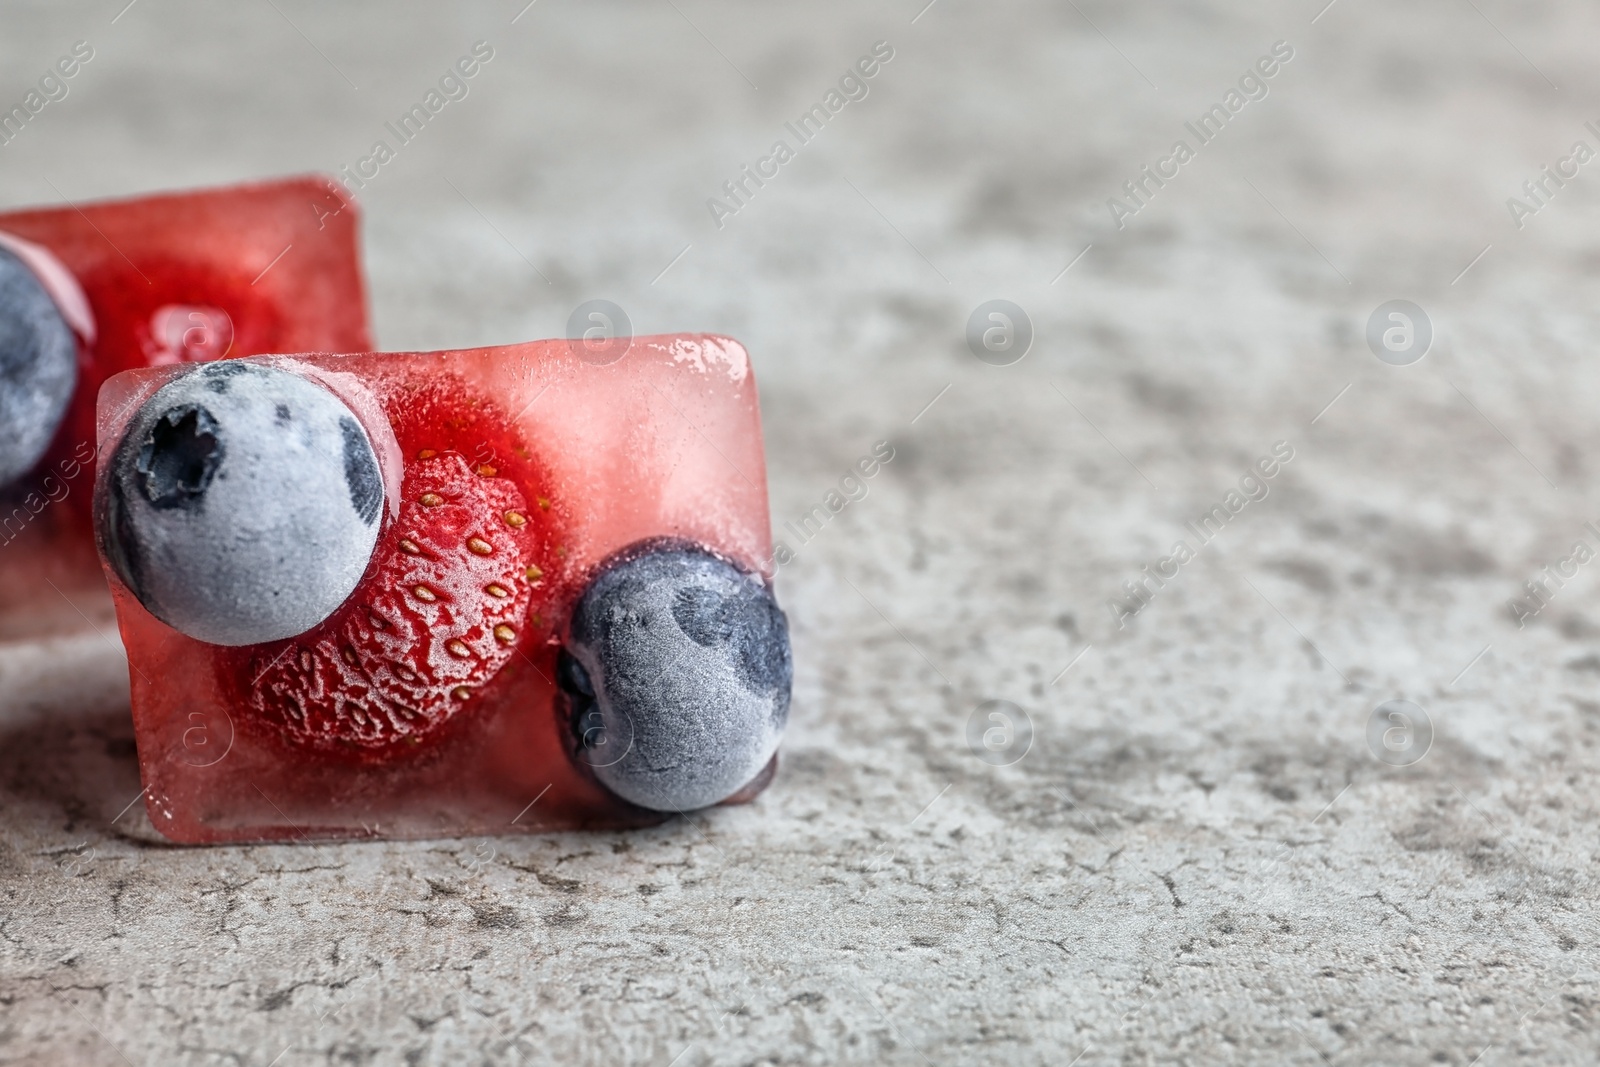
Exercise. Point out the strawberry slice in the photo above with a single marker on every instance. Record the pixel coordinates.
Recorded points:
(440, 613)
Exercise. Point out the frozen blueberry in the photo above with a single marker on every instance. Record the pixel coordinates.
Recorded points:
(242, 505)
(678, 675)
(38, 368)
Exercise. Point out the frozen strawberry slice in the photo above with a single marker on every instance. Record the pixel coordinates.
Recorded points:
(434, 623)
(641, 486)
(170, 278)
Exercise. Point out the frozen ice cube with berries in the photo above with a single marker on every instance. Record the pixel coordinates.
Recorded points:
(425, 594)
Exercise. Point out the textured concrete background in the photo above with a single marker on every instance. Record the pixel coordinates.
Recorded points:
(1199, 859)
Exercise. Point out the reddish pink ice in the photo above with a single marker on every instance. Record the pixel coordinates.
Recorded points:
(177, 277)
(665, 442)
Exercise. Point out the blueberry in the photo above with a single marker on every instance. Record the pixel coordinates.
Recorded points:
(242, 504)
(38, 369)
(678, 674)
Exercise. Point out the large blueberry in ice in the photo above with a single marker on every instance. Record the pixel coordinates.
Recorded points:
(38, 368)
(678, 675)
(242, 504)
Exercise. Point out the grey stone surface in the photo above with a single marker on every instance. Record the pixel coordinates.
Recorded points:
(1198, 859)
